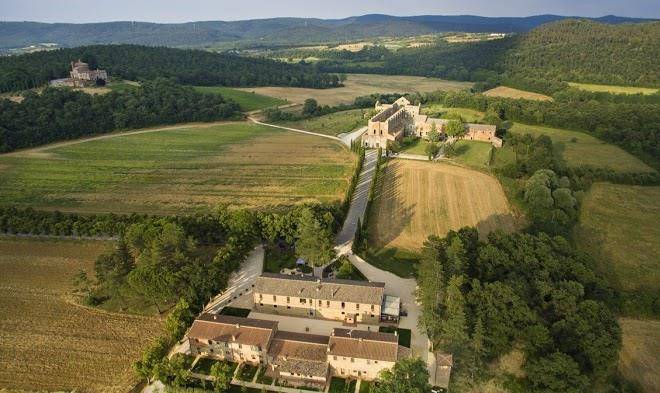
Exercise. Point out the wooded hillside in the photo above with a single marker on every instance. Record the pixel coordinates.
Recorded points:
(133, 62)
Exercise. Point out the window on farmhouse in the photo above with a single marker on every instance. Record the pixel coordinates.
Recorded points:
(357, 306)
(372, 307)
(343, 305)
(327, 303)
(274, 298)
(303, 301)
(320, 303)
(288, 299)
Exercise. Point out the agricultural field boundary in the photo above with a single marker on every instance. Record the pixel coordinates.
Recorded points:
(334, 138)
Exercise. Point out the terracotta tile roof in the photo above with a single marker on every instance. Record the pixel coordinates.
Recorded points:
(304, 354)
(325, 289)
(224, 328)
(364, 345)
(444, 362)
(482, 127)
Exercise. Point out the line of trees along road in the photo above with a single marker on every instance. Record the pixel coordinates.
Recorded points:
(134, 62)
(60, 113)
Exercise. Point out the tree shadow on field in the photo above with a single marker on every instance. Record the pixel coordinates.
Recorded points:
(391, 223)
(505, 222)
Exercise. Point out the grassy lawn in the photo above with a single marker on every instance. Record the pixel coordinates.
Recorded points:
(614, 89)
(203, 366)
(334, 123)
(404, 334)
(248, 100)
(262, 377)
(401, 262)
(50, 342)
(439, 111)
(276, 259)
(621, 222)
(340, 385)
(185, 169)
(472, 153)
(235, 312)
(415, 199)
(582, 149)
(416, 146)
(365, 386)
(247, 372)
(352, 274)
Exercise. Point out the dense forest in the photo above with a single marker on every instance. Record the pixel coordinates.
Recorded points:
(532, 293)
(132, 62)
(58, 113)
(570, 50)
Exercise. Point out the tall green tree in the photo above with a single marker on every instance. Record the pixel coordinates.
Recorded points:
(454, 330)
(221, 373)
(407, 376)
(315, 242)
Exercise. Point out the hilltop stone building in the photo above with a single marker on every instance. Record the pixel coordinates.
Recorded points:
(300, 358)
(394, 121)
(342, 300)
(81, 76)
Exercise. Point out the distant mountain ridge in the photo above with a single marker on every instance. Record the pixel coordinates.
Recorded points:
(272, 31)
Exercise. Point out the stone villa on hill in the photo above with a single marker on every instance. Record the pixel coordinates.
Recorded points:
(81, 76)
(342, 300)
(299, 358)
(394, 121)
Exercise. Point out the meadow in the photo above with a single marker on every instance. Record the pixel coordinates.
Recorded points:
(334, 123)
(247, 100)
(614, 89)
(178, 169)
(415, 199)
(472, 153)
(509, 92)
(638, 359)
(579, 148)
(619, 225)
(439, 111)
(48, 342)
(360, 85)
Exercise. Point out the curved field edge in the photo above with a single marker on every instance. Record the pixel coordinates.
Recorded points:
(48, 342)
(179, 170)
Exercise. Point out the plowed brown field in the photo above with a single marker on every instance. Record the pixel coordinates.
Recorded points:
(47, 341)
(416, 199)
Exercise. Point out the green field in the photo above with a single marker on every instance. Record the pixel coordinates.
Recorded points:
(178, 169)
(614, 89)
(439, 111)
(472, 153)
(248, 101)
(580, 148)
(619, 226)
(416, 146)
(334, 123)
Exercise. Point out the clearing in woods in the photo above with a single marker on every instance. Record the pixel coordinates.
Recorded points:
(619, 225)
(48, 342)
(638, 359)
(614, 89)
(179, 170)
(247, 100)
(415, 199)
(509, 92)
(580, 148)
(357, 85)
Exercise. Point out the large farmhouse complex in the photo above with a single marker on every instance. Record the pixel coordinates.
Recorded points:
(81, 76)
(341, 300)
(394, 121)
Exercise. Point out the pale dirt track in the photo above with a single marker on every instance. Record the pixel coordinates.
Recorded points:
(417, 199)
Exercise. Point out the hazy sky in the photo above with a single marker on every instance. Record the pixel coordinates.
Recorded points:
(194, 10)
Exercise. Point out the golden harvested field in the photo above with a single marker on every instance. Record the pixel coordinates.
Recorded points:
(638, 359)
(47, 341)
(509, 92)
(619, 225)
(179, 169)
(359, 85)
(614, 89)
(416, 199)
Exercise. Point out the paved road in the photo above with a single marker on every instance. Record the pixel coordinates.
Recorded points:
(255, 121)
(241, 281)
(359, 201)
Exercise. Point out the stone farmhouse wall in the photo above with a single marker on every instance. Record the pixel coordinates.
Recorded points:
(230, 351)
(343, 366)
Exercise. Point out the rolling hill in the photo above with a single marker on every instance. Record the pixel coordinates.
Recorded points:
(275, 30)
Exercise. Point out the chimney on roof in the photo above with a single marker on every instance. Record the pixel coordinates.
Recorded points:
(215, 316)
(233, 337)
(350, 332)
(360, 339)
(396, 333)
(318, 280)
(238, 326)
